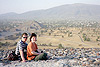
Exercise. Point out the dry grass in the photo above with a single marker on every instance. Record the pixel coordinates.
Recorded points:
(74, 41)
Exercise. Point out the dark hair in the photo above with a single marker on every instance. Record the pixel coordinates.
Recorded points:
(24, 34)
(33, 34)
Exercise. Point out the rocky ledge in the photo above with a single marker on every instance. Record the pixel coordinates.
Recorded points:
(69, 57)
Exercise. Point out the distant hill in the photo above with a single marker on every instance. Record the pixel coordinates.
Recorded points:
(70, 11)
(29, 26)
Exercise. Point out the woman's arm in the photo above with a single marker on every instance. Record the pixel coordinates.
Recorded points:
(35, 53)
(38, 50)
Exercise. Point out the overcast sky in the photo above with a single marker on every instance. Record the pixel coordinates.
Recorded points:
(21, 6)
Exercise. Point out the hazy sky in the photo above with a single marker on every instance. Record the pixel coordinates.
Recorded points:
(21, 6)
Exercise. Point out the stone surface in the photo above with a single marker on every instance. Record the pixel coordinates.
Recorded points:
(69, 57)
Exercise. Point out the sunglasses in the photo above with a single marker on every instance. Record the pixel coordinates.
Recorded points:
(25, 37)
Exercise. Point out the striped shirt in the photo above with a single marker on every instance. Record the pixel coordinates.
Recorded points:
(21, 46)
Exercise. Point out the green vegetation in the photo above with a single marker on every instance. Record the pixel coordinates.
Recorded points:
(80, 44)
(70, 34)
(50, 44)
(60, 46)
(98, 38)
(85, 37)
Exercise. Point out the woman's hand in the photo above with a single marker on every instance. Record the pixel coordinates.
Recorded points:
(38, 50)
(35, 53)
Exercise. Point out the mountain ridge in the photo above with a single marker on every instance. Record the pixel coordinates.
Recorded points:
(73, 11)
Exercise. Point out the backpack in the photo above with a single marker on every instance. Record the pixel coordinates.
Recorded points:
(12, 56)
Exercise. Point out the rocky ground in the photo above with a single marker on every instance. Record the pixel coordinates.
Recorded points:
(69, 57)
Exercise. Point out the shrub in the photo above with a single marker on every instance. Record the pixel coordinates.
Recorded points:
(62, 36)
(60, 46)
(49, 34)
(50, 44)
(80, 44)
(97, 40)
(15, 43)
(88, 39)
(85, 37)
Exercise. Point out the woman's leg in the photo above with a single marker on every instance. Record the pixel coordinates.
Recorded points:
(42, 56)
